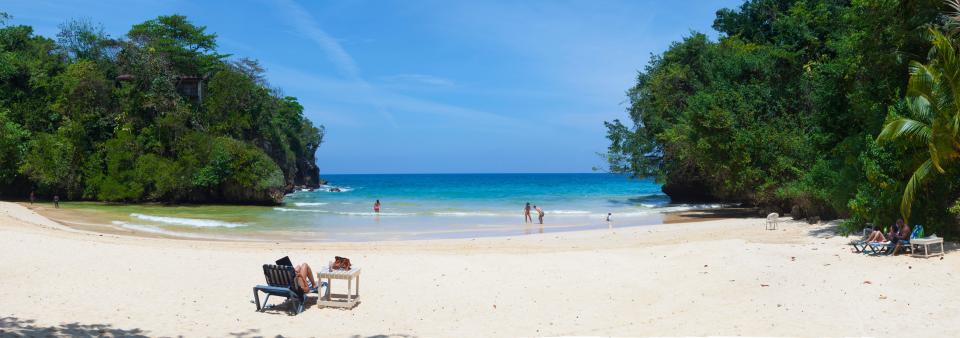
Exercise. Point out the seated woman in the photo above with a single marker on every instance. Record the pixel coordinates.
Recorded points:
(876, 237)
(305, 278)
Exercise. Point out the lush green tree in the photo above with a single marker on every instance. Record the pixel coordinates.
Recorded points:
(81, 39)
(12, 147)
(931, 116)
(189, 48)
(783, 109)
(87, 116)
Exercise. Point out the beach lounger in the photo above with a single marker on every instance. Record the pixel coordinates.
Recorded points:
(861, 244)
(281, 282)
(888, 247)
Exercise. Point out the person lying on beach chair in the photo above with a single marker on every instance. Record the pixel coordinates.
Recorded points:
(869, 233)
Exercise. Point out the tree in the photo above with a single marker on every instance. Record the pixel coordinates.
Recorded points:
(90, 117)
(932, 116)
(81, 39)
(188, 47)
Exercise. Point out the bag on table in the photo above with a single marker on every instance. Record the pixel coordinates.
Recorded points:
(341, 263)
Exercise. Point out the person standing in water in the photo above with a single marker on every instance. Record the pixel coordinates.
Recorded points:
(376, 206)
(609, 224)
(526, 214)
(539, 213)
(56, 201)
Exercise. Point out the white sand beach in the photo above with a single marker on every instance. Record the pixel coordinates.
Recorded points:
(719, 277)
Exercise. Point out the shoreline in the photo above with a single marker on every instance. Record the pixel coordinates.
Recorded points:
(800, 280)
(87, 219)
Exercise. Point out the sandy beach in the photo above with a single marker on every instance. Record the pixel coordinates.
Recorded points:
(718, 277)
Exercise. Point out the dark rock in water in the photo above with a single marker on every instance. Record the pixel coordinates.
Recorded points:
(688, 191)
(334, 189)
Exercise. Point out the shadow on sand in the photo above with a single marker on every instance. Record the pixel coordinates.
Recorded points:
(16, 327)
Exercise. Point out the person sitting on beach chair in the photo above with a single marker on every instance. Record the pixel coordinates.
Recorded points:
(897, 239)
(304, 274)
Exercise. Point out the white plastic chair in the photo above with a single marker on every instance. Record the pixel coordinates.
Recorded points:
(773, 219)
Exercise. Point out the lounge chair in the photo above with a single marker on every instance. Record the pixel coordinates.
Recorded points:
(281, 282)
(889, 247)
(861, 244)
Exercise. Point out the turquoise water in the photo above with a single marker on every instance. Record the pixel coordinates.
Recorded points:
(421, 206)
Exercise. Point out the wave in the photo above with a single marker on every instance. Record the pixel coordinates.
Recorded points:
(327, 188)
(567, 212)
(301, 210)
(333, 188)
(194, 222)
(309, 204)
(154, 230)
(375, 213)
(347, 213)
(467, 213)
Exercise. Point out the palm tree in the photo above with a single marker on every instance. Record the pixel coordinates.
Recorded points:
(932, 115)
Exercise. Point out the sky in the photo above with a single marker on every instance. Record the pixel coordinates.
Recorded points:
(433, 86)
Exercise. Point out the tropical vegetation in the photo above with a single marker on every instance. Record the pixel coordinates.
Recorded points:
(157, 115)
(823, 108)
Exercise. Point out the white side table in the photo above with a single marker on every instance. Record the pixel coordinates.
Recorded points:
(342, 301)
(926, 243)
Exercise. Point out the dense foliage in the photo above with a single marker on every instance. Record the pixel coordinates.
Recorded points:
(156, 116)
(785, 108)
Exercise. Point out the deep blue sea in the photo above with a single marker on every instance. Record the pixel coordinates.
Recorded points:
(420, 206)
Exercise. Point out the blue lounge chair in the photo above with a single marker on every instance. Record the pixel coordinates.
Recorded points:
(889, 247)
(861, 244)
(281, 282)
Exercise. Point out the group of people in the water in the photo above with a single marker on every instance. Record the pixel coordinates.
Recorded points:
(527, 217)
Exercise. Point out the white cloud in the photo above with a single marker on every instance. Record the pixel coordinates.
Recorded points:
(305, 24)
(418, 79)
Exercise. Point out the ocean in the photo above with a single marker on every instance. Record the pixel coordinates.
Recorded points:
(414, 206)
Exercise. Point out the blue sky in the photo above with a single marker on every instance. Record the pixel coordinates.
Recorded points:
(434, 86)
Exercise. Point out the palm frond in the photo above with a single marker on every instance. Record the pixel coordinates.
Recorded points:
(902, 127)
(917, 180)
(922, 80)
(920, 108)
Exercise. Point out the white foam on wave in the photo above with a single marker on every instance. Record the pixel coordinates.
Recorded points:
(465, 214)
(194, 222)
(568, 212)
(375, 213)
(154, 230)
(309, 204)
(301, 210)
(329, 188)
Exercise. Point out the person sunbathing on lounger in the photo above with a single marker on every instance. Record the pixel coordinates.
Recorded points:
(305, 273)
(876, 237)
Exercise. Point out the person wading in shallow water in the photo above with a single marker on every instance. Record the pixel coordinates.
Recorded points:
(526, 214)
(376, 206)
(539, 213)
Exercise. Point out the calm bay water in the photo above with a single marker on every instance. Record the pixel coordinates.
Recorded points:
(416, 206)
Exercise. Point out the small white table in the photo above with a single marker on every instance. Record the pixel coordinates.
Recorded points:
(343, 301)
(926, 243)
